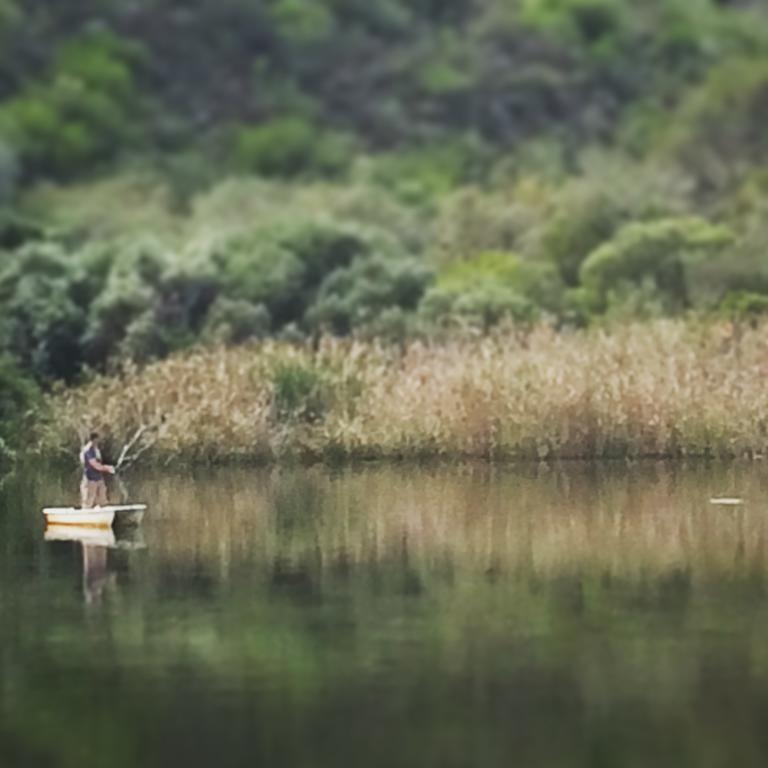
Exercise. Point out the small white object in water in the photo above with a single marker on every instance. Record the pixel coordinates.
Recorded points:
(727, 502)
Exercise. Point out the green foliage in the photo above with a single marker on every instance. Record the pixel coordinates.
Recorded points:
(397, 76)
(289, 147)
(421, 175)
(588, 210)
(124, 299)
(283, 267)
(473, 221)
(483, 306)
(718, 131)
(234, 321)
(396, 164)
(18, 396)
(358, 295)
(575, 231)
(444, 71)
(596, 23)
(302, 21)
(42, 318)
(9, 173)
(660, 251)
(743, 304)
(101, 209)
(299, 391)
(492, 286)
(84, 113)
(10, 17)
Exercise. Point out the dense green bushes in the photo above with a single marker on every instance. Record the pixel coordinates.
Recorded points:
(236, 170)
(289, 147)
(254, 259)
(82, 114)
(70, 306)
(18, 396)
(491, 286)
(386, 74)
(661, 252)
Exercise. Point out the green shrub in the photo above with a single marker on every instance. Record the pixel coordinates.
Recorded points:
(124, 299)
(302, 22)
(445, 70)
(743, 304)
(392, 324)
(7, 457)
(42, 319)
(576, 230)
(291, 146)
(483, 306)
(299, 391)
(9, 172)
(718, 131)
(536, 280)
(592, 22)
(113, 208)
(357, 295)
(588, 210)
(283, 266)
(740, 269)
(126, 283)
(144, 339)
(473, 221)
(491, 287)
(235, 321)
(11, 17)
(85, 113)
(152, 302)
(661, 251)
(420, 176)
(262, 270)
(18, 397)
(64, 309)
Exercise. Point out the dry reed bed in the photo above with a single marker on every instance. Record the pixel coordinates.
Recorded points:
(666, 388)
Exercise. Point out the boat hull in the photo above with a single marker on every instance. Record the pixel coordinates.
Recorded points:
(98, 517)
(87, 518)
(90, 536)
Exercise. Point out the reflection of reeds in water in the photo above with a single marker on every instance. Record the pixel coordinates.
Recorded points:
(482, 521)
(661, 389)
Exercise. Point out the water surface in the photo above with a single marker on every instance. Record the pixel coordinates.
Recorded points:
(580, 616)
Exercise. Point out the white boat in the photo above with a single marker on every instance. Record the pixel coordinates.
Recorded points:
(90, 536)
(97, 517)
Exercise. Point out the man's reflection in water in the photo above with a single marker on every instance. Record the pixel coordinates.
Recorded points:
(96, 545)
(96, 575)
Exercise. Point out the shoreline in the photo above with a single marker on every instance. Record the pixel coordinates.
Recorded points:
(657, 391)
(458, 466)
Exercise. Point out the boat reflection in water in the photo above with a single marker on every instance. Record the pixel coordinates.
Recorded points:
(96, 544)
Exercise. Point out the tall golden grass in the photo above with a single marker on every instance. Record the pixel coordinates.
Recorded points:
(661, 389)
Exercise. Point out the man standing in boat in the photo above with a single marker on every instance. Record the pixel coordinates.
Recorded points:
(93, 489)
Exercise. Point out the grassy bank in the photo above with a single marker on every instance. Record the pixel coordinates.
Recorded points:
(661, 389)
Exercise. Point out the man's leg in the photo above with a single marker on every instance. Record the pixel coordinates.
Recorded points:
(86, 497)
(101, 494)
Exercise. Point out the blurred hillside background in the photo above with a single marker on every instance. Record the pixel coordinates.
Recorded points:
(177, 172)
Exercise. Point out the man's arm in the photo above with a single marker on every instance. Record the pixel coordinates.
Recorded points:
(105, 469)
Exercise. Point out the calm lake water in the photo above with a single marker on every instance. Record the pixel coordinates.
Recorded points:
(583, 616)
